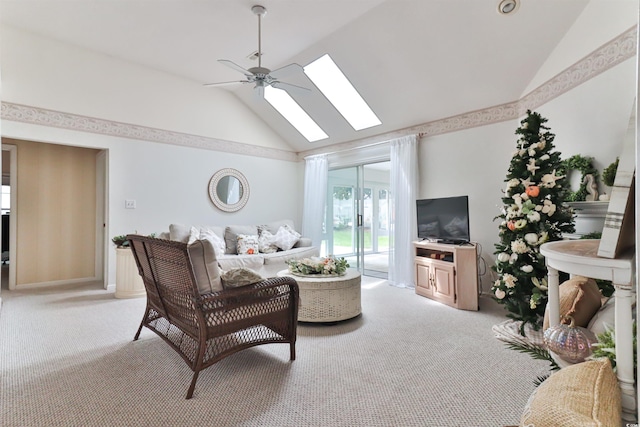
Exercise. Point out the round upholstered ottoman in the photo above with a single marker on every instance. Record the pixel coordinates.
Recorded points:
(328, 298)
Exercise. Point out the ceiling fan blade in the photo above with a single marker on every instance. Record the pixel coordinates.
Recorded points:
(291, 88)
(286, 71)
(235, 66)
(225, 83)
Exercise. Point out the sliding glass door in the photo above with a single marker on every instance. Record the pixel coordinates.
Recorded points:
(358, 217)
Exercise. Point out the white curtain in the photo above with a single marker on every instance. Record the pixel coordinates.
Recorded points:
(404, 181)
(315, 197)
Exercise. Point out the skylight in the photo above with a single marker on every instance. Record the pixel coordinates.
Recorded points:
(290, 110)
(326, 75)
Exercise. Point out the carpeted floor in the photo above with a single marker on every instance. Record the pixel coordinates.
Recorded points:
(67, 359)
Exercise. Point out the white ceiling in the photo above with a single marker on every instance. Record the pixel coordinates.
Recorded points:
(413, 61)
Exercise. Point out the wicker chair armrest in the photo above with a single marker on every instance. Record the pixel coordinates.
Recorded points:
(265, 290)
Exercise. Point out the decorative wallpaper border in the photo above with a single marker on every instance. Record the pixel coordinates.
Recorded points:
(602, 59)
(57, 119)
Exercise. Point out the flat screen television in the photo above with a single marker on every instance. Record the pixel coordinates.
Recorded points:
(444, 219)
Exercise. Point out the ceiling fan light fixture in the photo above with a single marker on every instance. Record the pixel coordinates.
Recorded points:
(508, 7)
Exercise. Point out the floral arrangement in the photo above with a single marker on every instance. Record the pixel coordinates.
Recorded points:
(533, 214)
(318, 265)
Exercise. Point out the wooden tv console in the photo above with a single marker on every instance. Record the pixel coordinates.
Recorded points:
(447, 273)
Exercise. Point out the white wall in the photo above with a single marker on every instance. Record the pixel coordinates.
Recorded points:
(590, 120)
(472, 162)
(600, 22)
(170, 183)
(48, 74)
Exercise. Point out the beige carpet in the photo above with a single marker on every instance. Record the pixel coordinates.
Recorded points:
(67, 359)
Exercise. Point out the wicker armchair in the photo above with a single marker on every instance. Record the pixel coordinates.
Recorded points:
(205, 328)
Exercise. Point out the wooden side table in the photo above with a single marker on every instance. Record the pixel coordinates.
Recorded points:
(579, 257)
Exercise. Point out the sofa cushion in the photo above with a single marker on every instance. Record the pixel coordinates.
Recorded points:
(253, 262)
(281, 257)
(248, 244)
(286, 238)
(205, 266)
(231, 236)
(581, 395)
(303, 242)
(179, 232)
(240, 277)
(274, 226)
(265, 242)
(208, 234)
(580, 298)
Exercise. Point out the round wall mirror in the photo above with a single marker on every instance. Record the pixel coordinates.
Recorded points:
(229, 190)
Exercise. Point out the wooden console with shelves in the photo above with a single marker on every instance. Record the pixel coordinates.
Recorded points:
(447, 273)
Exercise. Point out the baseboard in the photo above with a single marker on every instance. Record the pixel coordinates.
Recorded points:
(57, 283)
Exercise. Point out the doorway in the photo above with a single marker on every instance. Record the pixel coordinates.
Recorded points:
(67, 184)
(8, 207)
(358, 217)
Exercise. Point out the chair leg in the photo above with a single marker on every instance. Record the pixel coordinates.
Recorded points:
(146, 313)
(139, 330)
(292, 350)
(193, 385)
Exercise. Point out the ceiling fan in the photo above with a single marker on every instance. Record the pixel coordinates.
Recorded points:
(261, 76)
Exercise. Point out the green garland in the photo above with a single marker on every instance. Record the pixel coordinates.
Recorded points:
(585, 166)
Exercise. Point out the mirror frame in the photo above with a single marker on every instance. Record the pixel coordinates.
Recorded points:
(219, 203)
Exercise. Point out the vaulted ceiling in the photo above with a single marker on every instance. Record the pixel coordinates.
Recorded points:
(413, 61)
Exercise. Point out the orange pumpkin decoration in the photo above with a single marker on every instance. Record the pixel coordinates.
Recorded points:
(511, 225)
(250, 251)
(533, 191)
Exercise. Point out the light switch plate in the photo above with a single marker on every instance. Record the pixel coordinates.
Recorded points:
(130, 204)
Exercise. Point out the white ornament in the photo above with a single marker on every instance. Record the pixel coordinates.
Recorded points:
(503, 257)
(531, 238)
(533, 216)
(500, 294)
(527, 182)
(549, 180)
(531, 167)
(527, 268)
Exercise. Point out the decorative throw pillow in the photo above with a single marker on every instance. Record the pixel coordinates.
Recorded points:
(239, 277)
(194, 234)
(217, 241)
(580, 298)
(265, 242)
(291, 230)
(247, 244)
(231, 235)
(605, 318)
(585, 394)
(285, 239)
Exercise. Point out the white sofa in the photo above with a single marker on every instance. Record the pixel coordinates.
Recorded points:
(265, 264)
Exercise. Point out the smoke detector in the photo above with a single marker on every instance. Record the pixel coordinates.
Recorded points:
(508, 7)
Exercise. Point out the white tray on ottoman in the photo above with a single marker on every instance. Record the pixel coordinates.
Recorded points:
(328, 298)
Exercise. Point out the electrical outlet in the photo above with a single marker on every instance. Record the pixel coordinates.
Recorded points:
(130, 204)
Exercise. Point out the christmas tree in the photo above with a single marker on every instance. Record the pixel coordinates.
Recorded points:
(533, 213)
